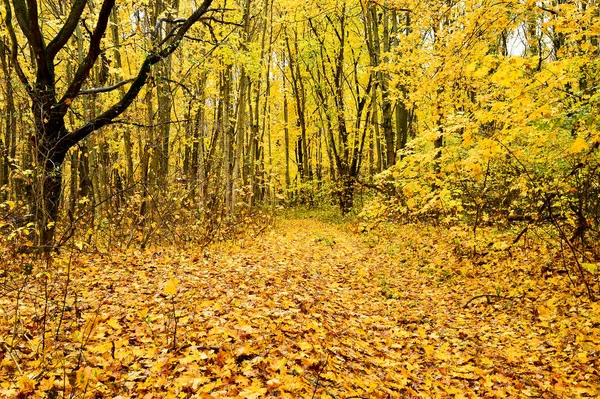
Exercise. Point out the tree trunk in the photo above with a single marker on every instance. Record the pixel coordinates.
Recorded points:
(127, 144)
(300, 99)
(346, 194)
(286, 136)
(227, 134)
(8, 142)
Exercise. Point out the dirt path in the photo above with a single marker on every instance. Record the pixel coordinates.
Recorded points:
(311, 311)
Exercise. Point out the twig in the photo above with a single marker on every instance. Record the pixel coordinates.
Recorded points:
(322, 366)
(488, 296)
(66, 293)
(175, 320)
(124, 122)
(7, 349)
(519, 236)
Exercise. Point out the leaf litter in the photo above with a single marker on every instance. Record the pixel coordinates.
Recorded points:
(308, 310)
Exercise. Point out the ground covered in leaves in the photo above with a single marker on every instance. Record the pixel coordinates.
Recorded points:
(307, 310)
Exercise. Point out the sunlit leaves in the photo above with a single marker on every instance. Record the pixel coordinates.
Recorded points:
(578, 145)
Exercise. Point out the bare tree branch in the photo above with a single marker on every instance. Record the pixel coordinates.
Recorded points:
(36, 40)
(166, 20)
(220, 21)
(62, 37)
(551, 11)
(98, 90)
(22, 17)
(14, 48)
(125, 122)
(93, 52)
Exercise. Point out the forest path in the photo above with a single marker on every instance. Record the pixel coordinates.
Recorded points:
(312, 310)
(355, 318)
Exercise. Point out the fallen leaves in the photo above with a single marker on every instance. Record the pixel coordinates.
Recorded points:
(297, 317)
(171, 286)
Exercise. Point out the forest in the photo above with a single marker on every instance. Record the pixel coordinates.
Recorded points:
(301, 199)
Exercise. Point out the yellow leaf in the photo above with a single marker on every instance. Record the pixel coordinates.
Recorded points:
(273, 383)
(428, 349)
(305, 346)
(253, 392)
(279, 364)
(114, 323)
(11, 205)
(26, 384)
(171, 286)
(590, 267)
(46, 384)
(578, 145)
(547, 312)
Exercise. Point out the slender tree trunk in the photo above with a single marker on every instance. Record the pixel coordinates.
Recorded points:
(286, 136)
(227, 135)
(147, 169)
(8, 141)
(299, 92)
(163, 89)
(197, 135)
(127, 144)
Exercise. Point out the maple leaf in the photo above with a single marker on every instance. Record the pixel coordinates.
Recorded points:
(171, 286)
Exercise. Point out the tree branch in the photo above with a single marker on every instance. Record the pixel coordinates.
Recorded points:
(14, 48)
(166, 20)
(124, 122)
(489, 297)
(551, 11)
(222, 22)
(117, 109)
(98, 90)
(22, 17)
(90, 59)
(36, 40)
(62, 37)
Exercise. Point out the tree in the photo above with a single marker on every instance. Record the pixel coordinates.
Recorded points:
(51, 139)
(340, 87)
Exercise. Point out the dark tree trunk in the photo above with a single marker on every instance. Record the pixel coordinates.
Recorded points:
(346, 194)
(8, 142)
(51, 153)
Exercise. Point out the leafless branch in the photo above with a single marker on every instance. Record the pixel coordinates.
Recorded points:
(65, 33)
(98, 90)
(551, 11)
(223, 22)
(124, 122)
(14, 47)
(168, 21)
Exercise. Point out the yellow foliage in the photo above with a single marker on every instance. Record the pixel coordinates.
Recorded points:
(578, 145)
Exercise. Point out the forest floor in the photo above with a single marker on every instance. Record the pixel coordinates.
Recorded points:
(306, 310)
